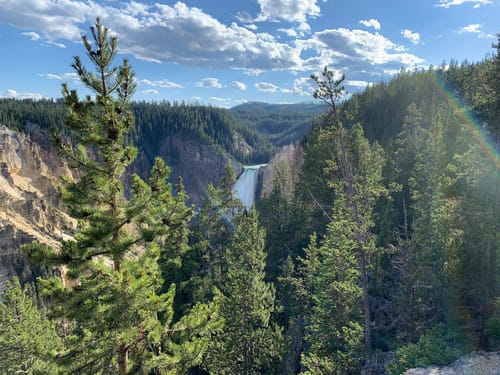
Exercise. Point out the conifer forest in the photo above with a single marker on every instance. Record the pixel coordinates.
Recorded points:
(379, 254)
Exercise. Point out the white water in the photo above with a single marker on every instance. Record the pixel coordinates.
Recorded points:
(245, 187)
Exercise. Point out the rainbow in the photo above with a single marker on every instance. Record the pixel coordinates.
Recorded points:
(476, 131)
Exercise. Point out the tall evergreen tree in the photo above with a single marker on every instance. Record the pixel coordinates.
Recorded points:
(357, 184)
(217, 219)
(249, 343)
(116, 319)
(28, 339)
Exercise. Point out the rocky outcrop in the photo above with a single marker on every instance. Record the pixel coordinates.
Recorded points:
(198, 164)
(30, 207)
(289, 160)
(481, 363)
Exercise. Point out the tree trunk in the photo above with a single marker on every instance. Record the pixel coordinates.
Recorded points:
(366, 307)
(123, 358)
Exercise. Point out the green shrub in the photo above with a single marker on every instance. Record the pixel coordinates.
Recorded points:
(492, 332)
(436, 348)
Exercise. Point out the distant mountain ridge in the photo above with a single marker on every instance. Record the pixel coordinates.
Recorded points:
(278, 124)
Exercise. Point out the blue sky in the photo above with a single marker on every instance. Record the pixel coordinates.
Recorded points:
(227, 52)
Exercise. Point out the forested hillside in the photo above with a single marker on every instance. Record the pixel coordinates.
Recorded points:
(390, 241)
(279, 124)
(385, 255)
(153, 123)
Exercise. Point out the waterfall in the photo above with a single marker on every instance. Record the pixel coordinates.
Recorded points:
(245, 187)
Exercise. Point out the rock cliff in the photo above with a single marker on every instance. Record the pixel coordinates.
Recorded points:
(30, 207)
(474, 364)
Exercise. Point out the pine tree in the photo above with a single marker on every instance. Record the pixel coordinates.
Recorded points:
(217, 220)
(296, 288)
(357, 185)
(275, 215)
(27, 338)
(115, 317)
(334, 330)
(249, 343)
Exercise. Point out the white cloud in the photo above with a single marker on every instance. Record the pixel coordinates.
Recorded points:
(32, 35)
(209, 83)
(486, 36)
(357, 51)
(53, 18)
(472, 28)
(355, 83)
(413, 37)
(185, 35)
(160, 83)
(371, 23)
(303, 86)
(266, 87)
(301, 30)
(450, 3)
(11, 93)
(292, 33)
(56, 44)
(476, 28)
(60, 77)
(150, 92)
(218, 99)
(288, 10)
(238, 85)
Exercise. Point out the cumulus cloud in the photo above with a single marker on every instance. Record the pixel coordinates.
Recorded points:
(413, 37)
(303, 86)
(251, 26)
(32, 35)
(218, 99)
(54, 19)
(160, 83)
(288, 10)
(56, 44)
(476, 28)
(371, 23)
(358, 50)
(472, 28)
(266, 87)
(209, 82)
(11, 93)
(238, 85)
(150, 92)
(450, 3)
(356, 83)
(486, 35)
(60, 77)
(301, 30)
